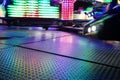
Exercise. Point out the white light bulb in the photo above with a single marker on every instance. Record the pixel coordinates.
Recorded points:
(89, 29)
(93, 28)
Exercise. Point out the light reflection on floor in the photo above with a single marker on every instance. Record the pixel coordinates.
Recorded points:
(56, 55)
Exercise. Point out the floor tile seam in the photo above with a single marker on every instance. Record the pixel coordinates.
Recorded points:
(35, 41)
(70, 57)
(63, 56)
(45, 39)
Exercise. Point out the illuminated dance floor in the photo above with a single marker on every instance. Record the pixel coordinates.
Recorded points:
(56, 55)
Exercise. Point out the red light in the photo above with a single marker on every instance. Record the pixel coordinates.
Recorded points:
(67, 9)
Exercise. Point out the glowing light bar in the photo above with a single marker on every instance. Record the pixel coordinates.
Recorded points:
(106, 1)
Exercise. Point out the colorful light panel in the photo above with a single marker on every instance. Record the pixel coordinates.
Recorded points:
(67, 9)
(33, 8)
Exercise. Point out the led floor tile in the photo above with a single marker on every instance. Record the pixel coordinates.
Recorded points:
(56, 55)
(81, 48)
(23, 64)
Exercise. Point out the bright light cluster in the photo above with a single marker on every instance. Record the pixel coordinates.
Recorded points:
(33, 8)
(92, 29)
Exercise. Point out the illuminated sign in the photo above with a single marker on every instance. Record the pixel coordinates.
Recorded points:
(33, 8)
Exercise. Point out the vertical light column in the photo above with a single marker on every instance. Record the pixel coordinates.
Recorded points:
(67, 9)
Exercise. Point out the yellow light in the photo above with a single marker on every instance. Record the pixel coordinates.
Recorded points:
(118, 1)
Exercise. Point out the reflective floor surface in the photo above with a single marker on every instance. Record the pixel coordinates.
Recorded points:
(28, 54)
